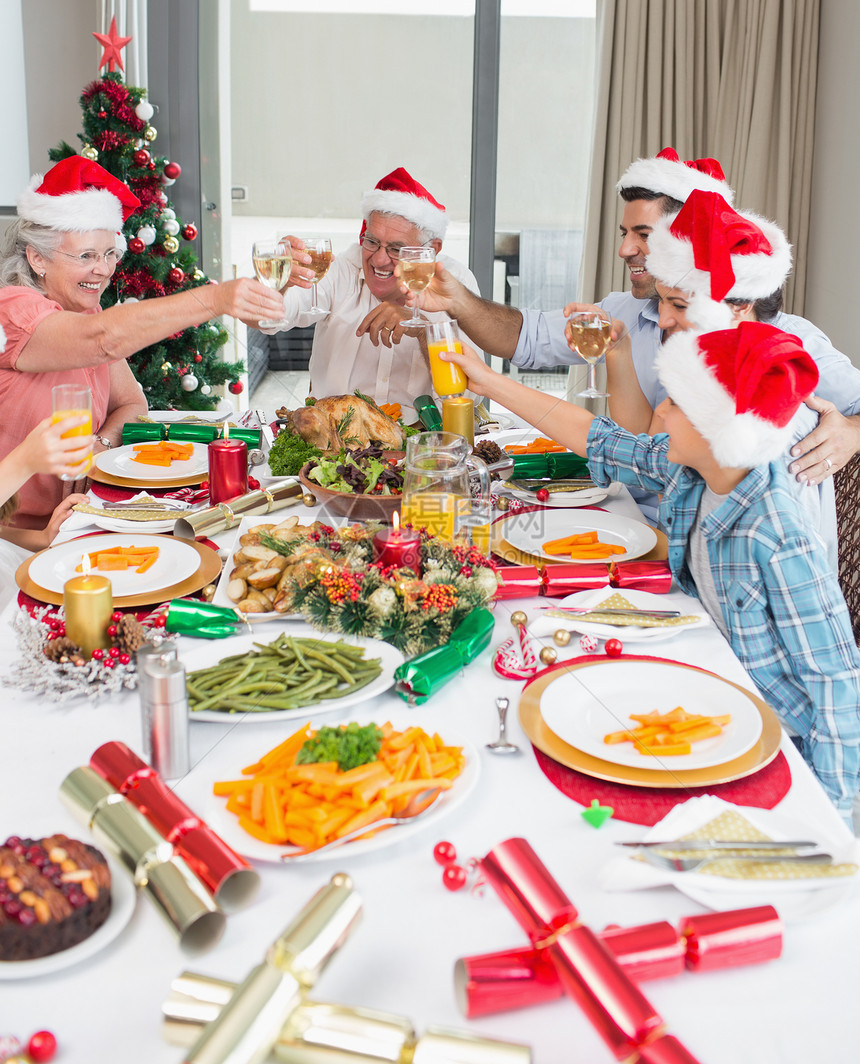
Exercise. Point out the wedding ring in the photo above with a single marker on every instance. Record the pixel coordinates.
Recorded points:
(388, 328)
(828, 463)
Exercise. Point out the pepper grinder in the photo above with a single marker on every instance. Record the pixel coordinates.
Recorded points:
(164, 712)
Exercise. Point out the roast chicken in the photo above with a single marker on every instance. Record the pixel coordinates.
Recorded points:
(343, 420)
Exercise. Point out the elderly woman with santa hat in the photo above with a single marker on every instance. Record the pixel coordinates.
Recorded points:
(57, 259)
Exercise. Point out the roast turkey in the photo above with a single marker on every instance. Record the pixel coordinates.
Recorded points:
(343, 420)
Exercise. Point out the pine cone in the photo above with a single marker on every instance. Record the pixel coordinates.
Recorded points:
(63, 651)
(130, 634)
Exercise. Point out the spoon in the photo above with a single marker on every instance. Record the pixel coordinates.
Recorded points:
(501, 745)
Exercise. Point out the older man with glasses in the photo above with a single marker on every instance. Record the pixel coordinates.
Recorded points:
(360, 343)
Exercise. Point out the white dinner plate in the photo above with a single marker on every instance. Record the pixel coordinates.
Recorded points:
(628, 633)
(584, 705)
(516, 437)
(176, 562)
(123, 899)
(210, 653)
(119, 462)
(582, 497)
(528, 532)
(227, 760)
(117, 524)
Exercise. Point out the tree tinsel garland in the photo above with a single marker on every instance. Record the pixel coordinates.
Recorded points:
(353, 595)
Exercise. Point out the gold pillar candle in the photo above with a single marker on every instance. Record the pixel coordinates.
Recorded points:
(88, 605)
(458, 416)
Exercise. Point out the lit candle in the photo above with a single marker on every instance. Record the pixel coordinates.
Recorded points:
(398, 547)
(228, 468)
(458, 416)
(88, 606)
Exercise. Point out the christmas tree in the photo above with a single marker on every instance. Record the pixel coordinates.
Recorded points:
(182, 371)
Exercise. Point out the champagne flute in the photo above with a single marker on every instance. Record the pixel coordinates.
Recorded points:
(273, 261)
(417, 266)
(319, 249)
(588, 333)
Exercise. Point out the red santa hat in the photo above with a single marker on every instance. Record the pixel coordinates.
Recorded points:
(77, 196)
(739, 387)
(399, 193)
(666, 174)
(714, 253)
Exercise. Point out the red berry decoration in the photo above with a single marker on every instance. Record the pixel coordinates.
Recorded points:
(176, 275)
(253, 484)
(136, 245)
(542, 495)
(42, 1047)
(236, 387)
(141, 157)
(111, 630)
(204, 485)
(124, 659)
(454, 877)
(98, 654)
(108, 663)
(116, 616)
(444, 853)
(160, 621)
(114, 652)
(613, 648)
(189, 231)
(172, 170)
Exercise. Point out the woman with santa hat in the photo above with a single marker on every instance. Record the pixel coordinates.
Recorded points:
(58, 257)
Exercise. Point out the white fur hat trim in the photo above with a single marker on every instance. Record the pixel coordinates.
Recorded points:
(669, 178)
(73, 212)
(738, 441)
(414, 209)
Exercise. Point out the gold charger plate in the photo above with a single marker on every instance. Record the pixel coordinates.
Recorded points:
(514, 556)
(138, 485)
(206, 573)
(537, 731)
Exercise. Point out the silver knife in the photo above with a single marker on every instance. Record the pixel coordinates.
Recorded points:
(613, 611)
(725, 844)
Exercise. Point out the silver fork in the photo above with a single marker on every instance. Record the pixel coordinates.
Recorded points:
(693, 864)
(420, 803)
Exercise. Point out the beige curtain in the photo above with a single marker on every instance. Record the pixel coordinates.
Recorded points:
(730, 79)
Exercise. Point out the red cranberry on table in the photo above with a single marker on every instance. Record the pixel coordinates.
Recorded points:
(542, 495)
(614, 647)
(444, 853)
(42, 1047)
(454, 877)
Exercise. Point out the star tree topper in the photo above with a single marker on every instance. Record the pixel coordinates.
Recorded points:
(112, 43)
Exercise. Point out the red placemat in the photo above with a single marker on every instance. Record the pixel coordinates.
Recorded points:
(648, 805)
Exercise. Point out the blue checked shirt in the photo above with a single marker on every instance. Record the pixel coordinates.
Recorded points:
(786, 618)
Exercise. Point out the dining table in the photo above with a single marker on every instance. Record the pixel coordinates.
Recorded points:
(401, 958)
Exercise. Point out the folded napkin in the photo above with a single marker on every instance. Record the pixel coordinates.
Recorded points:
(127, 513)
(711, 817)
(547, 622)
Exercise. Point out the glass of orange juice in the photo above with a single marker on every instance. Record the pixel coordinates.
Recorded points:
(74, 401)
(448, 378)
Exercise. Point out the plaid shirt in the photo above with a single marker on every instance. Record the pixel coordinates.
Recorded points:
(786, 618)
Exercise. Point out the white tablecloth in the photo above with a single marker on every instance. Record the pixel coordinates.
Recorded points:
(797, 1009)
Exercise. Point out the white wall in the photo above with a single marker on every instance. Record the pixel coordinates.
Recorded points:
(831, 287)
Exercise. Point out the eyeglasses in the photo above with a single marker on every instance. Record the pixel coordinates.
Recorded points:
(88, 259)
(372, 245)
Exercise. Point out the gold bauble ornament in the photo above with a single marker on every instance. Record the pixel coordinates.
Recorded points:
(151, 133)
(561, 638)
(548, 656)
(308, 499)
(89, 152)
(166, 367)
(518, 618)
(198, 274)
(208, 592)
(171, 245)
(502, 503)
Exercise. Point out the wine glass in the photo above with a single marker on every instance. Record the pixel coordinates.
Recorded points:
(319, 249)
(417, 266)
(588, 333)
(273, 261)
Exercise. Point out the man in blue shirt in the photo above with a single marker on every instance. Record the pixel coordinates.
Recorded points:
(737, 537)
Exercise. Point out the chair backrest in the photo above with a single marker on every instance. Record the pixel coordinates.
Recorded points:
(847, 484)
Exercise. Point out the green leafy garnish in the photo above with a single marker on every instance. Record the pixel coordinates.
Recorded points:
(350, 745)
(289, 453)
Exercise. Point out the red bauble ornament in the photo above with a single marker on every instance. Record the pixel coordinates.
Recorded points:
(444, 853)
(102, 114)
(204, 485)
(253, 483)
(236, 387)
(172, 170)
(141, 157)
(176, 275)
(454, 877)
(198, 358)
(160, 621)
(42, 1047)
(150, 166)
(542, 495)
(613, 648)
(136, 246)
(190, 231)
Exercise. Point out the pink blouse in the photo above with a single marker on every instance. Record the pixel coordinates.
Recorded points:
(25, 398)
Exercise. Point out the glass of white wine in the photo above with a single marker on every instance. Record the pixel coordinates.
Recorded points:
(319, 249)
(273, 261)
(417, 266)
(588, 333)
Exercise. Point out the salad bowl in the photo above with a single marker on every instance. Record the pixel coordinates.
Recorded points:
(354, 505)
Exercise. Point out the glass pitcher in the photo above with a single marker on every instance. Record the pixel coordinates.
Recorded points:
(437, 493)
